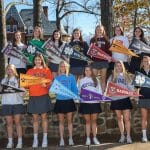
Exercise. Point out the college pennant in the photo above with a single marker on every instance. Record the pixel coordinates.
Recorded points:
(53, 52)
(138, 46)
(31, 50)
(28, 80)
(96, 52)
(6, 89)
(114, 89)
(141, 80)
(9, 50)
(119, 48)
(72, 53)
(87, 95)
(60, 89)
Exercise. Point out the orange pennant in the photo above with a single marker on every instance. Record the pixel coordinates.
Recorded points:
(28, 80)
(118, 47)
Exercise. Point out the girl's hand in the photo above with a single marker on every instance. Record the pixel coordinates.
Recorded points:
(43, 84)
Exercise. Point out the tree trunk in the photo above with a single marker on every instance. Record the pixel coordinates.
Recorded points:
(37, 10)
(106, 15)
(57, 15)
(2, 38)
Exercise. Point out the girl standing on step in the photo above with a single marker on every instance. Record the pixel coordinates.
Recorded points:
(144, 100)
(39, 100)
(122, 105)
(19, 63)
(65, 105)
(12, 107)
(90, 109)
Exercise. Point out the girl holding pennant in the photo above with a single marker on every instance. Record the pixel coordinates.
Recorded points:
(19, 63)
(12, 107)
(122, 104)
(91, 108)
(77, 66)
(56, 42)
(35, 45)
(144, 100)
(101, 40)
(119, 36)
(138, 34)
(39, 100)
(64, 104)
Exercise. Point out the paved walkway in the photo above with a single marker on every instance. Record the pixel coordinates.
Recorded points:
(103, 146)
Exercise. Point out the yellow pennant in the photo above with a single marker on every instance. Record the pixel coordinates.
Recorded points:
(28, 80)
(119, 48)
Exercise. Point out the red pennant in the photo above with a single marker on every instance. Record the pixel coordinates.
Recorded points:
(114, 89)
(96, 52)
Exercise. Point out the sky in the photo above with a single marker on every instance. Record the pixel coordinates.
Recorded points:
(85, 22)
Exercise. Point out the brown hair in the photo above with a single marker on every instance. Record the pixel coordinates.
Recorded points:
(92, 75)
(121, 29)
(141, 65)
(80, 38)
(14, 41)
(41, 57)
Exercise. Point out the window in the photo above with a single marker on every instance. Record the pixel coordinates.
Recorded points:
(8, 28)
(14, 28)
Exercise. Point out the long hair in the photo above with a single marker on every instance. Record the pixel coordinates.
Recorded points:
(142, 34)
(103, 33)
(60, 39)
(13, 68)
(67, 67)
(80, 38)
(41, 57)
(126, 75)
(14, 39)
(121, 29)
(148, 58)
(92, 75)
(40, 32)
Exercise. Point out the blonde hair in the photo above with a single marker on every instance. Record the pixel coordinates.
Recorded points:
(148, 58)
(67, 67)
(14, 70)
(126, 75)
(40, 32)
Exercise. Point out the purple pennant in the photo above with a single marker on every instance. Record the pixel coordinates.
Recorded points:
(87, 95)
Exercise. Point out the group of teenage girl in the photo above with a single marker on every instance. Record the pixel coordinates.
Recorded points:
(76, 75)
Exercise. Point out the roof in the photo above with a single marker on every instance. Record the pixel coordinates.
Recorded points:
(48, 26)
(12, 12)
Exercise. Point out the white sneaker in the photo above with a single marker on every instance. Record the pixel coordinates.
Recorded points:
(9, 145)
(44, 144)
(71, 141)
(144, 139)
(19, 146)
(62, 143)
(122, 139)
(88, 141)
(129, 140)
(35, 144)
(95, 140)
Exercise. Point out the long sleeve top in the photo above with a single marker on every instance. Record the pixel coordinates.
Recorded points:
(81, 47)
(124, 41)
(16, 61)
(120, 80)
(12, 98)
(145, 91)
(103, 44)
(38, 90)
(87, 83)
(69, 82)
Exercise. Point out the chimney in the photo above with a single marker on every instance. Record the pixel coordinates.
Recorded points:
(45, 10)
